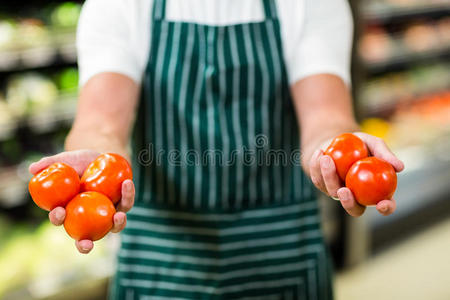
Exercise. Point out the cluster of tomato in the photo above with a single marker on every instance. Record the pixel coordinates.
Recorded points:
(90, 201)
(370, 179)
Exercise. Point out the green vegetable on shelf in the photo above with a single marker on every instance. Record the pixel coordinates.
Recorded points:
(6, 116)
(7, 34)
(68, 80)
(66, 14)
(32, 33)
(30, 92)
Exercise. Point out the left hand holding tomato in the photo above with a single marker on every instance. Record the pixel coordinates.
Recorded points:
(324, 175)
(80, 160)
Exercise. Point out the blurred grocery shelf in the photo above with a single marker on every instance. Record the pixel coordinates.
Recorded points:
(389, 11)
(59, 113)
(402, 94)
(13, 186)
(384, 49)
(41, 262)
(35, 57)
(404, 59)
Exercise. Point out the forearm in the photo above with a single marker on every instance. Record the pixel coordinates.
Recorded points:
(324, 109)
(105, 114)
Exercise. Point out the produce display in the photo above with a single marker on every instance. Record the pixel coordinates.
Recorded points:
(395, 87)
(410, 4)
(89, 212)
(65, 15)
(418, 121)
(31, 93)
(21, 33)
(378, 44)
(370, 179)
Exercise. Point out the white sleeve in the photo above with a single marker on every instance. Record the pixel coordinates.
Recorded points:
(104, 40)
(325, 42)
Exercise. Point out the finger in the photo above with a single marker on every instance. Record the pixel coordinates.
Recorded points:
(386, 207)
(378, 148)
(315, 172)
(329, 175)
(352, 207)
(78, 159)
(57, 216)
(120, 220)
(84, 246)
(127, 201)
(41, 164)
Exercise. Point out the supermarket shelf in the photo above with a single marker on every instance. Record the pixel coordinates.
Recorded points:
(419, 199)
(13, 186)
(405, 60)
(387, 107)
(45, 120)
(387, 14)
(37, 57)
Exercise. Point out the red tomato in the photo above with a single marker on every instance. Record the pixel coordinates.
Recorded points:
(89, 216)
(106, 174)
(54, 186)
(345, 150)
(371, 180)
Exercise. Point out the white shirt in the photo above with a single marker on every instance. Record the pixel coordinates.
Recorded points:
(114, 35)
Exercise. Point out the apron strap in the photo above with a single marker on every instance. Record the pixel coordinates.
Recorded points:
(159, 9)
(270, 9)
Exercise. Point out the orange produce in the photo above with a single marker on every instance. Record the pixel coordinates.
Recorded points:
(106, 174)
(371, 180)
(89, 216)
(54, 186)
(345, 150)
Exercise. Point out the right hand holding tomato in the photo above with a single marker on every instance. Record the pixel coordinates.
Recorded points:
(327, 170)
(80, 160)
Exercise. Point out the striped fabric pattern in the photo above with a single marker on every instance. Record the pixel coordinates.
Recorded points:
(218, 93)
(267, 253)
(231, 226)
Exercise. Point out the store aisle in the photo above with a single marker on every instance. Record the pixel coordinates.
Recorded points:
(418, 268)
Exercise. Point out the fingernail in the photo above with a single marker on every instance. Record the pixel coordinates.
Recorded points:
(59, 215)
(84, 248)
(119, 221)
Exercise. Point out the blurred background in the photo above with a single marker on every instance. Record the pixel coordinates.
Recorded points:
(401, 87)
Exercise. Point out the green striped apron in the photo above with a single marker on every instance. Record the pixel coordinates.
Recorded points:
(223, 209)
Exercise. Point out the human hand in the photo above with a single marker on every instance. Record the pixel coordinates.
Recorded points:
(324, 176)
(79, 160)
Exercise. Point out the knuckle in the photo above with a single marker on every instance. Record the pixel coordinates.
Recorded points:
(380, 142)
(315, 181)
